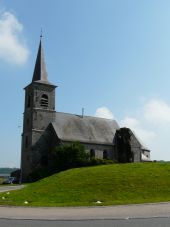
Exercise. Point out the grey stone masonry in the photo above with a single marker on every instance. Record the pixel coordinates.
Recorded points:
(39, 111)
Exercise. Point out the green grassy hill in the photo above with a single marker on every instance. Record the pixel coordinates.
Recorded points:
(110, 184)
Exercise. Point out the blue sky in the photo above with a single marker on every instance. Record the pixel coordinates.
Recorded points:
(111, 57)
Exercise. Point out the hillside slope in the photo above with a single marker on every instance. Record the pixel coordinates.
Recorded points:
(110, 184)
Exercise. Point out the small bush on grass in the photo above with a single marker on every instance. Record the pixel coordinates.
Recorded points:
(96, 161)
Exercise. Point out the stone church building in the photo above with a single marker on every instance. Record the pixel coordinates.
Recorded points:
(44, 128)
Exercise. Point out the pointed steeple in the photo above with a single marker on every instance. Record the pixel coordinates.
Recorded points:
(40, 73)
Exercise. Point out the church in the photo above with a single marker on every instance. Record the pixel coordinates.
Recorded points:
(44, 128)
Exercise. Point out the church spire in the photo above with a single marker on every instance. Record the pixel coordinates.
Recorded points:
(40, 73)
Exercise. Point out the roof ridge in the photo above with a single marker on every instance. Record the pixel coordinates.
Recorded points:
(87, 116)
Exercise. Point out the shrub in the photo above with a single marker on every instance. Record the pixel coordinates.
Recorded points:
(69, 156)
(97, 161)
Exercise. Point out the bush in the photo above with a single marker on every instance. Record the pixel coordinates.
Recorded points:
(69, 156)
(97, 161)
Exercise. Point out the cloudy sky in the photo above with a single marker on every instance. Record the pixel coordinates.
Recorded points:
(111, 57)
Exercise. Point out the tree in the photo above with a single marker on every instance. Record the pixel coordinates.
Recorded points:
(69, 156)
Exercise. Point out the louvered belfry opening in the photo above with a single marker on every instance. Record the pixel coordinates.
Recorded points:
(44, 101)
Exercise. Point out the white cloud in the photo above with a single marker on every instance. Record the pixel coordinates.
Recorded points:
(12, 48)
(104, 112)
(146, 136)
(129, 122)
(151, 124)
(157, 112)
(135, 125)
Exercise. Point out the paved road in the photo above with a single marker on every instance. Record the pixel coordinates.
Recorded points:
(87, 213)
(10, 187)
(152, 215)
(151, 222)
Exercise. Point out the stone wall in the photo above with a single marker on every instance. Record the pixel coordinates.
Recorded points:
(129, 148)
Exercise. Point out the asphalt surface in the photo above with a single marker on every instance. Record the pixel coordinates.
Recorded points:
(10, 187)
(152, 215)
(151, 222)
(87, 213)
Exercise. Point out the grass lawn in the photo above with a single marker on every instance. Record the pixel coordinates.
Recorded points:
(110, 184)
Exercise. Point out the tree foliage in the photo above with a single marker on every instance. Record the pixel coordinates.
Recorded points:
(69, 156)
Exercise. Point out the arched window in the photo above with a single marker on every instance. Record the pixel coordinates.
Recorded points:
(92, 153)
(44, 100)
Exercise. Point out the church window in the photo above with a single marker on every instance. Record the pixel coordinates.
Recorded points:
(44, 100)
(26, 141)
(29, 101)
(105, 156)
(92, 153)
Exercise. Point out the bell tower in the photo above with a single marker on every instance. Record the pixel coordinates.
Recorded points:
(39, 110)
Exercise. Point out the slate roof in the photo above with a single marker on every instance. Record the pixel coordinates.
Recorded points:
(70, 127)
(142, 146)
(40, 73)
